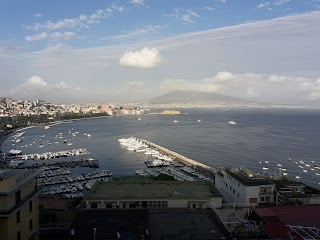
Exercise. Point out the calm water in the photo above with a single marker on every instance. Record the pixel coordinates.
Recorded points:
(258, 136)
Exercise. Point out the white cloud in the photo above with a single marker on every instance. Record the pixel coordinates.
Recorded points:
(186, 16)
(253, 86)
(280, 2)
(209, 8)
(138, 2)
(35, 87)
(83, 21)
(62, 36)
(54, 36)
(35, 81)
(37, 15)
(263, 5)
(146, 58)
(37, 37)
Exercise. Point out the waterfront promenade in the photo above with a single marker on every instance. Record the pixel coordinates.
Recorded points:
(179, 157)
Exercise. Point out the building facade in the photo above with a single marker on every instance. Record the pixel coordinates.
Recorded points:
(153, 194)
(19, 204)
(243, 187)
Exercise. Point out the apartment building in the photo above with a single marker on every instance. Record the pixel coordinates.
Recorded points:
(19, 204)
(241, 186)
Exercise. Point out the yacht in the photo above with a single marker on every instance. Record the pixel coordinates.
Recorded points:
(199, 120)
(232, 122)
(175, 121)
(139, 119)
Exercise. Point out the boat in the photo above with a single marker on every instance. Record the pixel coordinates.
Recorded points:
(139, 119)
(232, 122)
(199, 120)
(175, 121)
(265, 168)
(46, 127)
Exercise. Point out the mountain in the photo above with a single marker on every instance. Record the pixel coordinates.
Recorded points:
(197, 98)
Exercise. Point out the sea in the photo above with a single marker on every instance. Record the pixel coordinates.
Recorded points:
(262, 140)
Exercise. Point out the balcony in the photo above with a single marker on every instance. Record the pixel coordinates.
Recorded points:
(16, 206)
(266, 193)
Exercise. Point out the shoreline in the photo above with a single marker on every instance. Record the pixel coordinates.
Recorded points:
(6, 133)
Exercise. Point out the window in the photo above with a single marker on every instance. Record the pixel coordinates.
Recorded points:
(30, 225)
(238, 195)
(18, 196)
(234, 191)
(30, 206)
(94, 205)
(18, 217)
(262, 199)
(19, 235)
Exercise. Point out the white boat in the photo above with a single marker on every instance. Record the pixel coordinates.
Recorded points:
(175, 121)
(199, 120)
(265, 168)
(46, 127)
(232, 122)
(139, 119)
(89, 135)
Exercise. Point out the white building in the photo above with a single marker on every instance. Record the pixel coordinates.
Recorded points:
(243, 187)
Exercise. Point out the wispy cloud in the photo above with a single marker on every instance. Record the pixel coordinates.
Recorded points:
(263, 5)
(54, 36)
(186, 16)
(37, 15)
(138, 3)
(83, 21)
(280, 2)
(209, 8)
(138, 32)
(36, 37)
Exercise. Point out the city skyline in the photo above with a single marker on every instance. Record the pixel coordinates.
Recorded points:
(134, 50)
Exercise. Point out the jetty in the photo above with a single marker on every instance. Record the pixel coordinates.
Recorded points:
(179, 157)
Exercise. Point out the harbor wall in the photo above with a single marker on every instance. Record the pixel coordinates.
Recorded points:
(179, 157)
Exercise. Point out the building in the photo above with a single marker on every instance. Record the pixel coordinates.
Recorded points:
(19, 206)
(289, 192)
(148, 224)
(288, 222)
(141, 193)
(243, 187)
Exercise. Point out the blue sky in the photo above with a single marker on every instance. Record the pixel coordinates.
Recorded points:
(82, 50)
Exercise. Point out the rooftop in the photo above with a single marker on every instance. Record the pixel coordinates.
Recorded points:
(304, 215)
(148, 224)
(151, 189)
(12, 178)
(247, 177)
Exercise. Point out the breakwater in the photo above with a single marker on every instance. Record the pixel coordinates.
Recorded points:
(179, 157)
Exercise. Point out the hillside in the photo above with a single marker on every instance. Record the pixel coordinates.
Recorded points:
(195, 97)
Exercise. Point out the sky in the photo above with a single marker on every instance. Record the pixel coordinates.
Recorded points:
(107, 51)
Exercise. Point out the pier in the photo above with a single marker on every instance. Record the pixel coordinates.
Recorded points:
(179, 157)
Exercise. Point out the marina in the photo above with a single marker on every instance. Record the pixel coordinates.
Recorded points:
(165, 161)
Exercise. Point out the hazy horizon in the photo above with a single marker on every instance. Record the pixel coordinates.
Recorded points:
(126, 51)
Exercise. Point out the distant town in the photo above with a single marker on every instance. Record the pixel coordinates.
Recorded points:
(16, 113)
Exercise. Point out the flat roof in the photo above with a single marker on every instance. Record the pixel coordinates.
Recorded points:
(152, 189)
(148, 224)
(247, 177)
(21, 176)
(301, 215)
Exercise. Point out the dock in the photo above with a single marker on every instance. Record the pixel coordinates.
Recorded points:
(179, 157)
